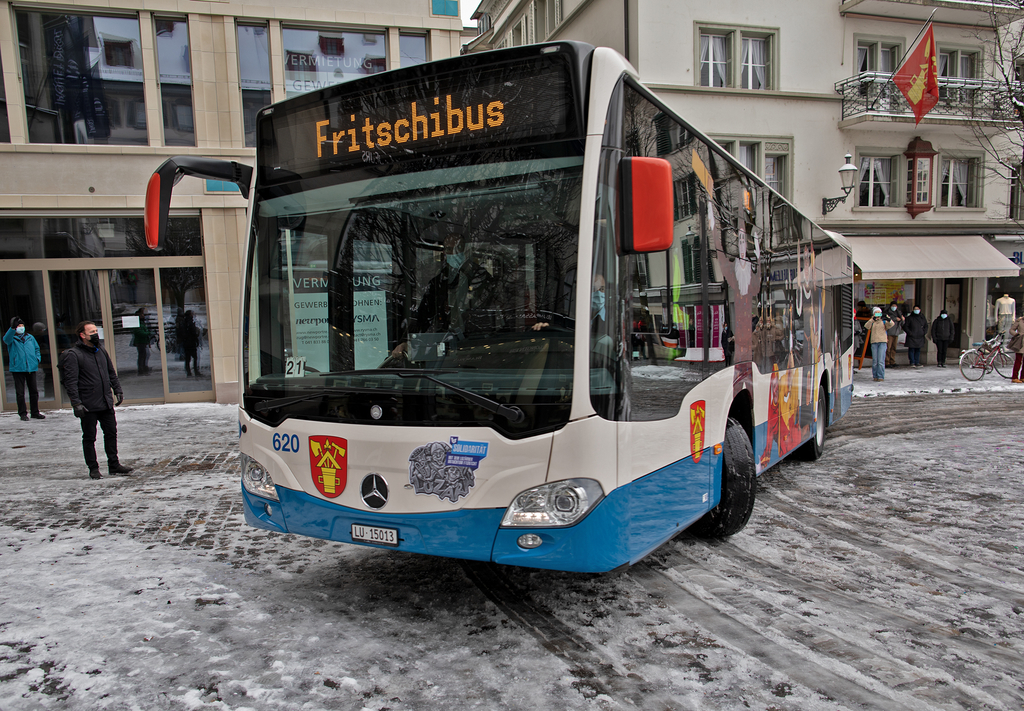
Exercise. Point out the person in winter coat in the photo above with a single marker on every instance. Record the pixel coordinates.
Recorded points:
(24, 362)
(893, 332)
(879, 339)
(1016, 334)
(916, 328)
(942, 333)
(89, 376)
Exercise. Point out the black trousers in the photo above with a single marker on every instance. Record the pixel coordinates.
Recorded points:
(109, 425)
(20, 381)
(940, 351)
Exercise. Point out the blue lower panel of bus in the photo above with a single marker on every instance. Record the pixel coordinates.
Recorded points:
(625, 526)
(467, 533)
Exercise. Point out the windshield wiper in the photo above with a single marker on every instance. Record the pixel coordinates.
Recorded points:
(513, 414)
(286, 401)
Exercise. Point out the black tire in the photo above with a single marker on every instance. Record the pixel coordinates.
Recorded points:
(968, 369)
(739, 486)
(1003, 364)
(811, 450)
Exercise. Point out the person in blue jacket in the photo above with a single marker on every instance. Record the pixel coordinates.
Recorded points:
(24, 354)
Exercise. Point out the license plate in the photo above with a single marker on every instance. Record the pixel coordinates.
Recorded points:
(373, 534)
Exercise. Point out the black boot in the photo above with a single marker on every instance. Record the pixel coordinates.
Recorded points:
(118, 468)
(95, 474)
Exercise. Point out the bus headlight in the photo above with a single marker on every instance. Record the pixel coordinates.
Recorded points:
(256, 479)
(562, 503)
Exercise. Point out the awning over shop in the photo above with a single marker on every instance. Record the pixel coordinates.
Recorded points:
(929, 258)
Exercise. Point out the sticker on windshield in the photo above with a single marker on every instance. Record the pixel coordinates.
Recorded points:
(445, 470)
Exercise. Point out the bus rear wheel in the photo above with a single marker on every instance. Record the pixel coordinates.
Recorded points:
(810, 450)
(739, 486)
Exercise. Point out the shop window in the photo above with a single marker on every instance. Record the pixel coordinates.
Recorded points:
(254, 75)
(68, 92)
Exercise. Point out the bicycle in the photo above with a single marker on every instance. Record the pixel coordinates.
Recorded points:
(986, 357)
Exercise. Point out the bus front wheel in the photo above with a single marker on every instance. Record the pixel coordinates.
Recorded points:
(739, 485)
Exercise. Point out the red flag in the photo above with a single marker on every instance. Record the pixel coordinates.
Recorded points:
(918, 77)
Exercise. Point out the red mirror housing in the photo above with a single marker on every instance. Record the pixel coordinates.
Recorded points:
(647, 207)
(158, 191)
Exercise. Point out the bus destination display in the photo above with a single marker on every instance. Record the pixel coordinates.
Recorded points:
(508, 104)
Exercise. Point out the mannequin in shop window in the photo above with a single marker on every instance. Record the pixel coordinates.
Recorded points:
(1006, 309)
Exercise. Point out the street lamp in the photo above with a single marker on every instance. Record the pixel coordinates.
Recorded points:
(848, 174)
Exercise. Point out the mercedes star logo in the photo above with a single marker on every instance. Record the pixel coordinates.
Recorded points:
(374, 491)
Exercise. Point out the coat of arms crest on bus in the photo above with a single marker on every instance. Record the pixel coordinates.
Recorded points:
(697, 411)
(446, 469)
(328, 464)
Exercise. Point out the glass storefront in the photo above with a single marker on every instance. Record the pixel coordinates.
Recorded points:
(151, 311)
(21, 295)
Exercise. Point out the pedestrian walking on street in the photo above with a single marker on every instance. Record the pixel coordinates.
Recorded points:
(1016, 334)
(916, 328)
(893, 333)
(89, 376)
(942, 334)
(23, 351)
(879, 340)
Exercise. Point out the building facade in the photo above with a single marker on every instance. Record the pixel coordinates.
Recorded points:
(792, 86)
(94, 97)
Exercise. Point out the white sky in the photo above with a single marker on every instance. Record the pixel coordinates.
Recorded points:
(468, 7)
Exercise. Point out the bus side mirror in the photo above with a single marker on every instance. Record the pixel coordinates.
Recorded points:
(158, 191)
(647, 207)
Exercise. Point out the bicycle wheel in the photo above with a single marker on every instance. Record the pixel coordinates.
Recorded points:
(1004, 364)
(972, 365)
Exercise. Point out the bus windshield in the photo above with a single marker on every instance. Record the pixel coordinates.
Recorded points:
(465, 271)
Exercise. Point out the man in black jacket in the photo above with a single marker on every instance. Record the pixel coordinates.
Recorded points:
(89, 376)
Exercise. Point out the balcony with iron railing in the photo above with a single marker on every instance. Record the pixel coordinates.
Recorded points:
(975, 13)
(872, 97)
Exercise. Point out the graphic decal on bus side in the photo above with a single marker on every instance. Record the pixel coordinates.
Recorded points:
(446, 470)
(328, 464)
(697, 412)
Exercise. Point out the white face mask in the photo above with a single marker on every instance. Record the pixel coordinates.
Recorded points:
(892, 308)
(19, 330)
(942, 315)
(917, 311)
(455, 260)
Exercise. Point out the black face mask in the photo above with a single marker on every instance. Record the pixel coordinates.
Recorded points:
(94, 339)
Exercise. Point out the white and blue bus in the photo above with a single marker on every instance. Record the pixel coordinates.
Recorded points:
(511, 307)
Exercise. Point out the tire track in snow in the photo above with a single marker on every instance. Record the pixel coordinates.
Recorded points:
(832, 678)
(595, 673)
(907, 650)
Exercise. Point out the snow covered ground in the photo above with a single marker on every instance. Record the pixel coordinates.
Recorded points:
(887, 575)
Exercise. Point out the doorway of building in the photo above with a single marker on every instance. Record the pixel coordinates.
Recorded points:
(954, 289)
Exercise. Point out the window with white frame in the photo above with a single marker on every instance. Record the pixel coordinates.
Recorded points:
(754, 63)
(958, 186)
(877, 56)
(714, 60)
(877, 176)
(775, 172)
(734, 57)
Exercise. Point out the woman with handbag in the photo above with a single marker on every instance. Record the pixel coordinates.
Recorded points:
(1017, 345)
